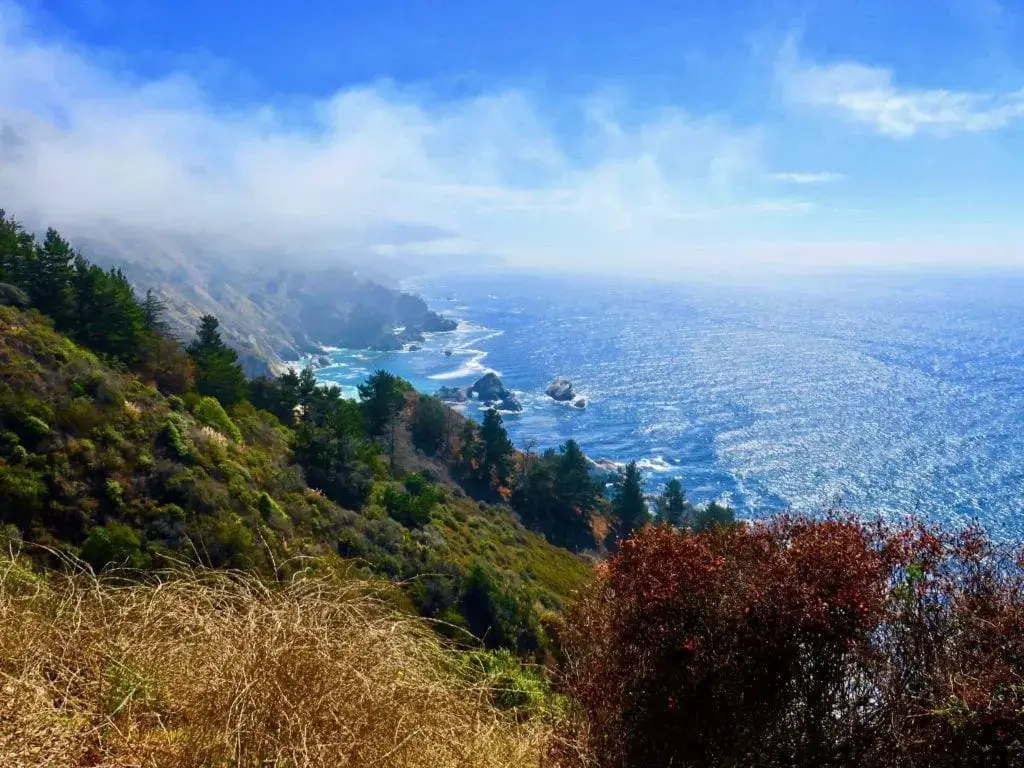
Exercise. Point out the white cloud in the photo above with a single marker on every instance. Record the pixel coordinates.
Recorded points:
(870, 96)
(801, 177)
(370, 169)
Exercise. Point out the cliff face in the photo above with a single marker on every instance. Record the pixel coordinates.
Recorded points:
(270, 314)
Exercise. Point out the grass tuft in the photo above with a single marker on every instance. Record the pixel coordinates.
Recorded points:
(215, 668)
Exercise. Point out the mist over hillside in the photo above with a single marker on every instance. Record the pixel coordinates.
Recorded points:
(277, 306)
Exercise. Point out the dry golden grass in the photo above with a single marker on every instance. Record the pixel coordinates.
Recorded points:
(215, 669)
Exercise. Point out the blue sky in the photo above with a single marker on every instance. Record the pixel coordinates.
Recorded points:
(674, 137)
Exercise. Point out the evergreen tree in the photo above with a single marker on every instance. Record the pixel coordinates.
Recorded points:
(217, 372)
(153, 311)
(714, 515)
(382, 396)
(429, 425)
(52, 279)
(574, 485)
(672, 505)
(498, 451)
(16, 252)
(629, 506)
(470, 449)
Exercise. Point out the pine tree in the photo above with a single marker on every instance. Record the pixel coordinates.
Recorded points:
(574, 485)
(498, 450)
(154, 310)
(672, 505)
(17, 249)
(217, 373)
(382, 396)
(52, 281)
(629, 506)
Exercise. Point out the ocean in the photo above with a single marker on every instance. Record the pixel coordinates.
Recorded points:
(889, 394)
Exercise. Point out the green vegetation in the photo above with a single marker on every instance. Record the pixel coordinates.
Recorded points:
(630, 506)
(217, 373)
(126, 448)
(701, 641)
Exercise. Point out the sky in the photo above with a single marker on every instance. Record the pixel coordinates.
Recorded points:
(671, 138)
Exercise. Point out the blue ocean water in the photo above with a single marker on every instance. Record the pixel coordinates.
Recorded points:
(894, 394)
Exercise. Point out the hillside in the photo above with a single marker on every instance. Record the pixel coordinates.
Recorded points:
(242, 529)
(97, 463)
(272, 309)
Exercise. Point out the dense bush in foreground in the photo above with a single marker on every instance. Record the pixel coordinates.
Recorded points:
(803, 642)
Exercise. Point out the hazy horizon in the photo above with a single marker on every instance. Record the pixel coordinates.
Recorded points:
(677, 143)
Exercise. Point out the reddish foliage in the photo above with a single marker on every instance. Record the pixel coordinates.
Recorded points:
(803, 642)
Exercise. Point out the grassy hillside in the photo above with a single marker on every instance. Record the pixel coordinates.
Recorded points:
(97, 463)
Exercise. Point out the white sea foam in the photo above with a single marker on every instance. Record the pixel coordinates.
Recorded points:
(655, 464)
(472, 367)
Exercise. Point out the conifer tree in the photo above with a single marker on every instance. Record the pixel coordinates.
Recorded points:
(498, 450)
(217, 372)
(629, 506)
(573, 482)
(52, 278)
(672, 504)
(154, 310)
(382, 397)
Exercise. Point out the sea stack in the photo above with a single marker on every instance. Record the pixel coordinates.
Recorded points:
(490, 390)
(561, 390)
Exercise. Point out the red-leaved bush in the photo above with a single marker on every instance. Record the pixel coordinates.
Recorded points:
(803, 642)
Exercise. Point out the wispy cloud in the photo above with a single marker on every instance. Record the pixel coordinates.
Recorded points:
(376, 168)
(798, 177)
(871, 96)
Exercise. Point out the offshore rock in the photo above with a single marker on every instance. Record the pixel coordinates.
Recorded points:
(561, 390)
(489, 389)
(452, 394)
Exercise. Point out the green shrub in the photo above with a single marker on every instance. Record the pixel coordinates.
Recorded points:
(36, 427)
(513, 686)
(114, 492)
(271, 511)
(113, 544)
(174, 440)
(209, 412)
(21, 489)
(8, 442)
(108, 435)
(411, 508)
(501, 616)
(176, 403)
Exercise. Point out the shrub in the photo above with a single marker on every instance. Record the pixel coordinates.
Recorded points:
(502, 617)
(412, 507)
(36, 427)
(702, 519)
(113, 544)
(209, 412)
(272, 512)
(800, 642)
(114, 492)
(523, 690)
(174, 440)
